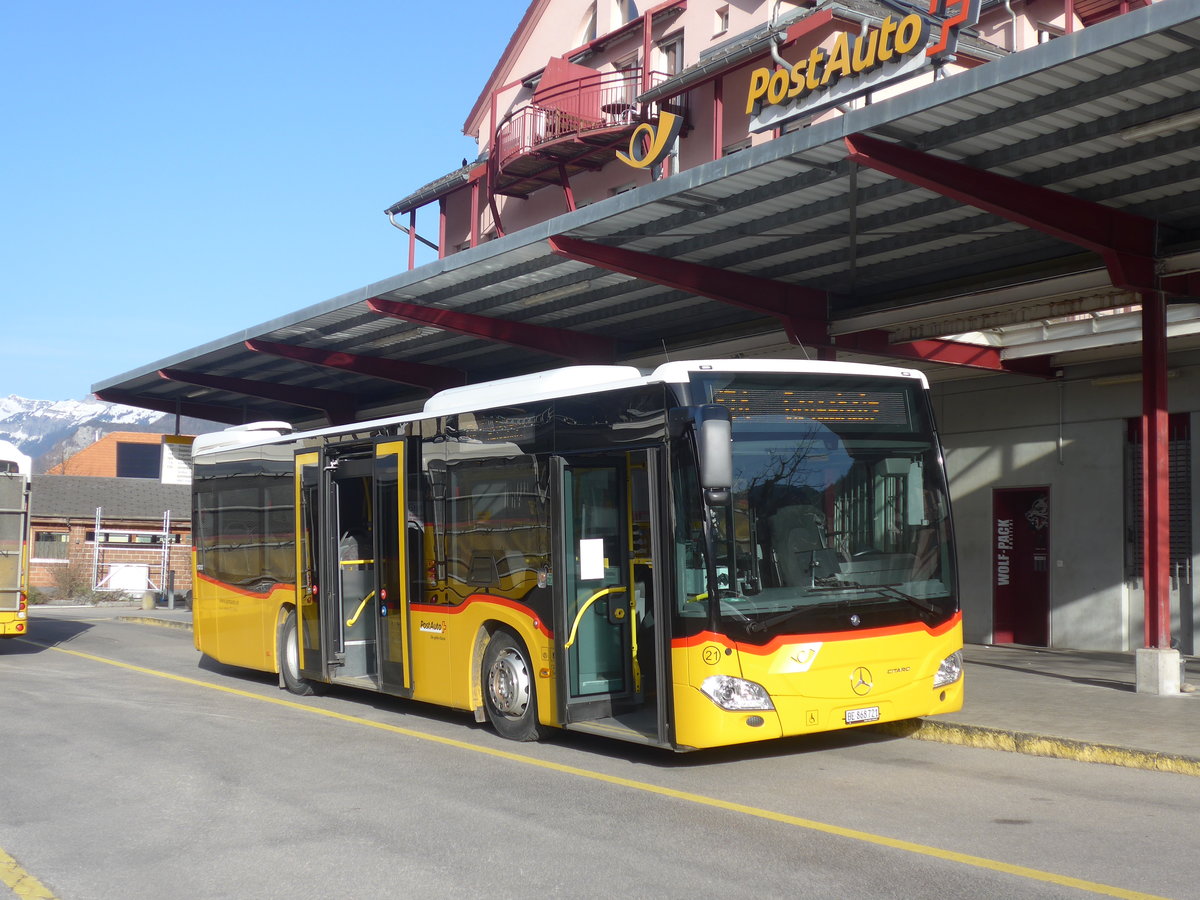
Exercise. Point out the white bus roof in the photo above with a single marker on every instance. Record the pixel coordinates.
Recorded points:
(554, 383)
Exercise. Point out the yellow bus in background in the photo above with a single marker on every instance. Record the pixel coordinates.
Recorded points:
(703, 554)
(14, 541)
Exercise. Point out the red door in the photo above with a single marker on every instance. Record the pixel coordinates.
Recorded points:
(1021, 566)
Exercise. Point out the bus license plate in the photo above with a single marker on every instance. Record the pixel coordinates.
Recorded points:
(867, 714)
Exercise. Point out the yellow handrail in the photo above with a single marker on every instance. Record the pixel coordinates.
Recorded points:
(358, 612)
(590, 600)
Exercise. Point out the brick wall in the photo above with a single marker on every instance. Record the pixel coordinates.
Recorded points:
(48, 574)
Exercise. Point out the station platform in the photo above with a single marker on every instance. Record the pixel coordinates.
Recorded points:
(1069, 704)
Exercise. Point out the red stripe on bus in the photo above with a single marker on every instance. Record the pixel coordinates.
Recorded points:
(784, 640)
(489, 600)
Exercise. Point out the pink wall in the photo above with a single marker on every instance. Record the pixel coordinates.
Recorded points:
(560, 29)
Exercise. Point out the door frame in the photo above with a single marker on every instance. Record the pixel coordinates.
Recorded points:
(394, 677)
(590, 706)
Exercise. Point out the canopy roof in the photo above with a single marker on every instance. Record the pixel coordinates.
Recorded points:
(795, 237)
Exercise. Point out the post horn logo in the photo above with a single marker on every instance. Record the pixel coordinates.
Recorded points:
(650, 143)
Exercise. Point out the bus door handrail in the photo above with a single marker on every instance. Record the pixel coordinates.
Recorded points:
(603, 592)
(358, 612)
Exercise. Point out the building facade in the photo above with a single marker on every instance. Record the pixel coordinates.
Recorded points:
(114, 517)
(579, 77)
(143, 541)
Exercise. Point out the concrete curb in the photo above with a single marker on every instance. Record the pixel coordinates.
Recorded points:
(1041, 745)
(151, 620)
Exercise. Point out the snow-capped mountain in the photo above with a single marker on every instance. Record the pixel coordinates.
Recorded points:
(37, 427)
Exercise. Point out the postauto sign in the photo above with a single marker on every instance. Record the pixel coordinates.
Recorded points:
(853, 66)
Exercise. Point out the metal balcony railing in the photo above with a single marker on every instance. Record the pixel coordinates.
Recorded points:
(606, 100)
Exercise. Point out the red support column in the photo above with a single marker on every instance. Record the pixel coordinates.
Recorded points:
(647, 44)
(565, 180)
(475, 213)
(1156, 508)
(442, 228)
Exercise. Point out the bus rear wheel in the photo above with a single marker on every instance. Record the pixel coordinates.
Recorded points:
(509, 693)
(289, 660)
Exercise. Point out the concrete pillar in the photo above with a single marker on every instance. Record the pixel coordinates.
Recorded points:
(1157, 671)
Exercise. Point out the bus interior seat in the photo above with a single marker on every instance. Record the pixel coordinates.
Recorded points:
(800, 545)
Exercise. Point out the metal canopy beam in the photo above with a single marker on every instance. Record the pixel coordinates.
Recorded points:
(951, 353)
(1126, 242)
(434, 378)
(1185, 286)
(803, 311)
(338, 406)
(574, 345)
(208, 411)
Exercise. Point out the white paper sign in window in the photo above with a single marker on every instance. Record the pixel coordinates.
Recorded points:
(591, 559)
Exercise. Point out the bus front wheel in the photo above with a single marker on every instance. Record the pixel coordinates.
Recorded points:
(509, 693)
(289, 660)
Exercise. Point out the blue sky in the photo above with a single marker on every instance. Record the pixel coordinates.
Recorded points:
(174, 172)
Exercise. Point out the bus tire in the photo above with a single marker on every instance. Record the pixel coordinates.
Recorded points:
(509, 692)
(289, 660)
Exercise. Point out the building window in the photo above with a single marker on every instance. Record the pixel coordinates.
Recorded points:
(1180, 492)
(670, 56)
(132, 538)
(736, 147)
(721, 23)
(50, 545)
(629, 10)
(587, 29)
(139, 460)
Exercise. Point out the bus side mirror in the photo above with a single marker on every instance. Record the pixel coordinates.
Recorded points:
(715, 444)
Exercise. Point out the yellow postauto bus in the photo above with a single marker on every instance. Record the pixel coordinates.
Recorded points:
(709, 553)
(14, 541)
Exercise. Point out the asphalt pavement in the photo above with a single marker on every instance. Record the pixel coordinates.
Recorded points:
(1068, 704)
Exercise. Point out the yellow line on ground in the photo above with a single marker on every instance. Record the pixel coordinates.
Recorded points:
(23, 885)
(966, 859)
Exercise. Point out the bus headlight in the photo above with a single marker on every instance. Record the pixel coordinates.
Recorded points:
(736, 693)
(949, 671)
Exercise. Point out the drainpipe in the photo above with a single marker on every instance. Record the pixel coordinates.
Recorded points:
(411, 232)
(777, 36)
(1013, 18)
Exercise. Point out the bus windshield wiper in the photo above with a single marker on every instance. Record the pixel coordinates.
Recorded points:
(881, 591)
(892, 591)
(763, 624)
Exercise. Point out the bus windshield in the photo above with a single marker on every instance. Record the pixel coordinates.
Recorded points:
(838, 517)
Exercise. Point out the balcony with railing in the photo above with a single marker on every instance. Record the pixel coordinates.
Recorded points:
(574, 127)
